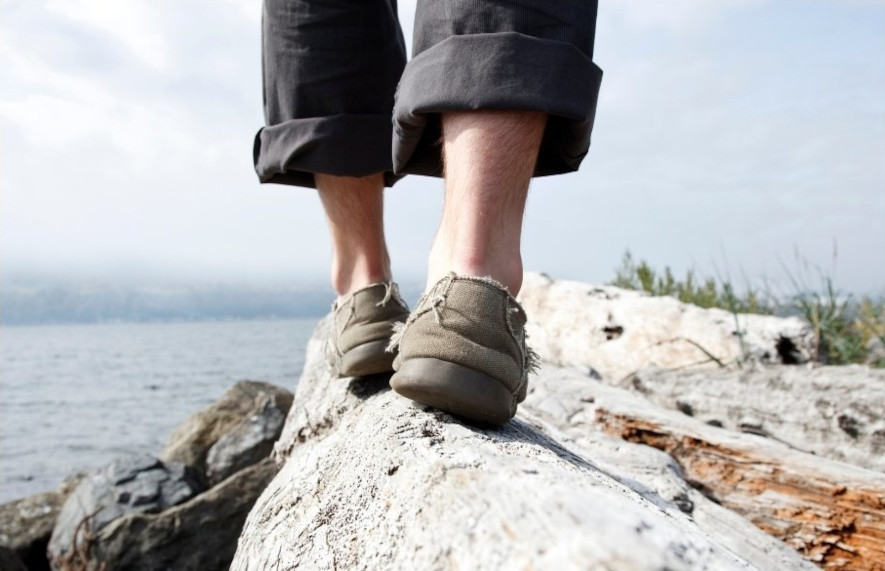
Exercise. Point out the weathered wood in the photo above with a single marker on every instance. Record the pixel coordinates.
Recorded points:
(567, 398)
(831, 512)
(836, 412)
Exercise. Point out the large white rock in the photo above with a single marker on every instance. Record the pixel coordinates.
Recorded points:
(601, 469)
(371, 481)
(617, 331)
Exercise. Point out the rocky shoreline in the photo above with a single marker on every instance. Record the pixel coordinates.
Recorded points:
(656, 435)
(183, 510)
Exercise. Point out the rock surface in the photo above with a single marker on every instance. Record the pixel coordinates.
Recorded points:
(248, 442)
(836, 412)
(617, 331)
(198, 535)
(148, 514)
(192, 441)
(610, 464)
(131, 485)
(26, 524)
(831, 512)
(370, 480)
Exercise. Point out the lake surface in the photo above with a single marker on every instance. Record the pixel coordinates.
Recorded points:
(73, 397)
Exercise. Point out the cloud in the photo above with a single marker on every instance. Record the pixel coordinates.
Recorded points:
(678, 17)
(134, 24)
(748, 125)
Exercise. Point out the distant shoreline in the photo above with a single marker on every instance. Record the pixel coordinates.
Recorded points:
(25, 303)
(163, 321)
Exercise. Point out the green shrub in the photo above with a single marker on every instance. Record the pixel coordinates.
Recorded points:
(845, 329)
(707, 292)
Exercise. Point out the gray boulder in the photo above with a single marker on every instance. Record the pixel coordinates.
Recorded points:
(26, 524)
(248, 442)
(198, 535)
(236, 411)
(142, 484)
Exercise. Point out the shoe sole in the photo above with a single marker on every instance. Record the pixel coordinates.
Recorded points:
(369, 358)
(522, 392)
(458, 390)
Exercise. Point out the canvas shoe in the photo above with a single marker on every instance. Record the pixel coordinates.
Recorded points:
(362, 324)
(463, 350)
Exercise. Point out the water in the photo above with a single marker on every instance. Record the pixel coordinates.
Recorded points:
(73, 397)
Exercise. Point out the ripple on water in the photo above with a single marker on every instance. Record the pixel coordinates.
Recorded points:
(76, 396)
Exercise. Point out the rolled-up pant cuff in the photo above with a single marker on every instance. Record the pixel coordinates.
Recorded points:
(502, 70)
(292, 151)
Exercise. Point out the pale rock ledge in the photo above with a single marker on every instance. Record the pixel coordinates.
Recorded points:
(589, 475)
(371, 481)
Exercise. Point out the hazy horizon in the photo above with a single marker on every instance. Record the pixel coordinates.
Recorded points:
(42, 299)
(728, 135)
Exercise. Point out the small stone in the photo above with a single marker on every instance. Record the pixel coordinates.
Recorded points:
(683, 502)
(191, 442)
(140, 484)
(26, 524)
(248, 442)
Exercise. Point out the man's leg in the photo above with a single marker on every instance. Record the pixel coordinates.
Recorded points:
(368, 303)
(516, 55)
(330, 70)
(510, 89)
(463, 349)
(355, 213)
(489, 158)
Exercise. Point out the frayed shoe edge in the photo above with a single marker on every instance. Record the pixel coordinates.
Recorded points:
(399, 328)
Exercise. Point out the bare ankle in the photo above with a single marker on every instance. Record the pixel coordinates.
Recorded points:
(347, 277)
(504, 268)
(489, 159)
(354, 208)
(506, 272)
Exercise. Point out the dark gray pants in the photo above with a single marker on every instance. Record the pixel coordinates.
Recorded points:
(338, 90)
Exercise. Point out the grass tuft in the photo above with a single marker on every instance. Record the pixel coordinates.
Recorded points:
(847, 330)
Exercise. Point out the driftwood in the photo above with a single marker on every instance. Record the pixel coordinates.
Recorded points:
(831, 512)
(836, 412)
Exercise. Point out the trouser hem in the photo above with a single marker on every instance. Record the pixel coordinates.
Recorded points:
(503, 70)
(345, 145)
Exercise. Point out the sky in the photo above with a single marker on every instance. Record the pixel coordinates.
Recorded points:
(731, 136)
